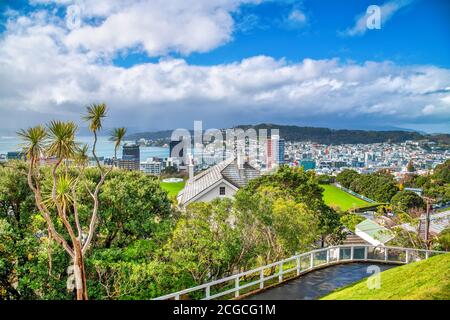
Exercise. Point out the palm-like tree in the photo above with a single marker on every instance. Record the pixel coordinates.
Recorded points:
(117, 136)
(95, 114)
(64, 185)
(34, 139)
(81, 155)
(58, 140)
(62, 139)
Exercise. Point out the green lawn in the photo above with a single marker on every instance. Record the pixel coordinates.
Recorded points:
(423, 280)
(173, 187)
(335, 197)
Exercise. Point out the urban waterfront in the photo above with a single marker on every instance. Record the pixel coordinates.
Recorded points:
(105, 148)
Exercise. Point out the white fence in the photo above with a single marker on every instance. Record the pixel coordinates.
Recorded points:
(299, 264)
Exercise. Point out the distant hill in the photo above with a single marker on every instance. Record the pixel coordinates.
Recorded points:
(321, 135)
(150, 135)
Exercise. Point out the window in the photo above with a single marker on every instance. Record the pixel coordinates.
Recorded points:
(222, 191)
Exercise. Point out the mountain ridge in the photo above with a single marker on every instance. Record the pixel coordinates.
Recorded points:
(321, 135)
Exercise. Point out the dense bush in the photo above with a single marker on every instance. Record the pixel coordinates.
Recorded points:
(379, 186)
(404, 201)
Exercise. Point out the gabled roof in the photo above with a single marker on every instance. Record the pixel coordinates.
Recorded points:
(227, 170)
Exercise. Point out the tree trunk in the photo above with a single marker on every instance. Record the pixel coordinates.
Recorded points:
(80, 274)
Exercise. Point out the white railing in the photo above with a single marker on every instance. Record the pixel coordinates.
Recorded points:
(313, 259)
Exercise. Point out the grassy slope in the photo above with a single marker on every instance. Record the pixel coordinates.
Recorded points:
(423, 280)
(334, 196)
(172, 188)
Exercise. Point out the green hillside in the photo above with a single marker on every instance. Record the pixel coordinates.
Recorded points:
(423, 280)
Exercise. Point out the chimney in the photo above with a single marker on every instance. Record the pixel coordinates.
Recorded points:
(240, 164)
(191, 167)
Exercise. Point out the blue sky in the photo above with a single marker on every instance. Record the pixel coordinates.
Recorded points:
(419, 34)
(162, 64)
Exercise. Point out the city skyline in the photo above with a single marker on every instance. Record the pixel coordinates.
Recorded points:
(311, 63)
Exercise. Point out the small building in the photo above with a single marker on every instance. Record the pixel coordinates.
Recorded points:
(373, 233)
(219, 181)
(308, 164)
(151, 167)
(15, 155)
(129, 163)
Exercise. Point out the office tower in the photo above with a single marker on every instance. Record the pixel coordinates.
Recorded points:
(275, 148)
(130, 157)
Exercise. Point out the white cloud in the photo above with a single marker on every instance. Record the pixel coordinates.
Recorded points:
(388, 9)
(41, 76)
(297, 16)
(156, 27)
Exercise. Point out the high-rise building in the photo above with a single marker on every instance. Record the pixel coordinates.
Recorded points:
(269, 154)
(281, 147)
(274, 151)
(130, 157)
(131, 151)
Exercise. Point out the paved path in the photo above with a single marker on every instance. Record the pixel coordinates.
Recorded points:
(318, 283)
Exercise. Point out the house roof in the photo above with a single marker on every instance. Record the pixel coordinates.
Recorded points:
(439, 221)
(227, 170)
(354, 239)
(375, 231)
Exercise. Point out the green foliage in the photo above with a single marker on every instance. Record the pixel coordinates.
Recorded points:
(144, 247)
(351, 220)
(436, 185)
(204, 243)
(443, 241)
(442, 172)
(95, 114)
(302, 187)
(27, 270)
(32, 266)
(133, 204)
(61, 139)
(404, 201)
(346, 177)
(379, 186)
(325, 179)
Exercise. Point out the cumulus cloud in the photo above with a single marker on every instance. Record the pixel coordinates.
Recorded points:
(156, 27)
(387, 10)
(42, 76)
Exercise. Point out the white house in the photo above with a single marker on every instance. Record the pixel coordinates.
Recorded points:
(219, 181)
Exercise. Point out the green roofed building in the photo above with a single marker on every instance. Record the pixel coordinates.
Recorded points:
(373, 233)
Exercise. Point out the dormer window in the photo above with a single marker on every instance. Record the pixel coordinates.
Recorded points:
(222, 191)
